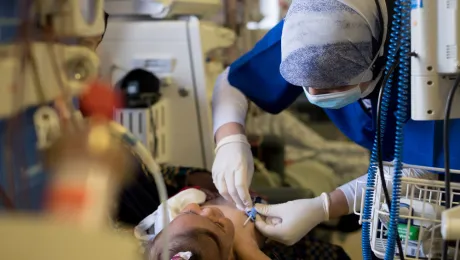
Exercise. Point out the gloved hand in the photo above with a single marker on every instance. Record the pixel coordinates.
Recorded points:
(288, 222)
(233, 169)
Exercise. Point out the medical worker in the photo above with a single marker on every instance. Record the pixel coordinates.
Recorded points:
(331, 52)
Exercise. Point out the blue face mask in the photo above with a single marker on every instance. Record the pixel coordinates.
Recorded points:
(335, 100)
(338, 100)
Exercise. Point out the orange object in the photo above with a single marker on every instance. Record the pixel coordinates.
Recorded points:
(100, 100)
(61, 198)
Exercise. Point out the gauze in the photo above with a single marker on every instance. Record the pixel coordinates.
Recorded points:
(153, 224)
(328, 43)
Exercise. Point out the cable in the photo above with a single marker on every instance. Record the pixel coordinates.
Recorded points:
(394, 46)
(401, 117)
(447, 176)
(154, 169)
(379, 147)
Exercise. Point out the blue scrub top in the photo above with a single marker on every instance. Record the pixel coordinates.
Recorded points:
(256, 74)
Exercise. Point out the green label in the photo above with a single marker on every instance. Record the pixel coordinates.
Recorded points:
(413, 232)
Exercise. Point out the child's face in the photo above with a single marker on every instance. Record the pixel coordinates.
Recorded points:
(197, 226)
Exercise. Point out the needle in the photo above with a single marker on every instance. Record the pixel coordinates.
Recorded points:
(246, 222)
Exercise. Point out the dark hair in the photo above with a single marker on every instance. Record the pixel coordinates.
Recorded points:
(179, 244)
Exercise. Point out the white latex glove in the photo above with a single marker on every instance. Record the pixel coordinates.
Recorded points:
(287, 223)
(233, 169)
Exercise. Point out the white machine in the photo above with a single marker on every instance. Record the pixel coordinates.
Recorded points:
(161, 9)
(176, 52)
(437, 57)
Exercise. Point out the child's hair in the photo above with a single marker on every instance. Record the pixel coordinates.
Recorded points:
(175, 246)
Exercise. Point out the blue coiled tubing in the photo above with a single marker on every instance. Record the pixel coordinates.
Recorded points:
(399, 40)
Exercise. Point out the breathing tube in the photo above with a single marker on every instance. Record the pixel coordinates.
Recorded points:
(399, 42)
(146, 157)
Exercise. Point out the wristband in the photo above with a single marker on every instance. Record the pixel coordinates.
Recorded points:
(326, 204)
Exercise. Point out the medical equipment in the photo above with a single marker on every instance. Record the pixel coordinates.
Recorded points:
(87, 169)
(42, 226)
(252, 213)
(246, 221)
(50, 233)
(176, 52)
(251, 216)
(161, 9)
(421, 26)
(141, 89)
(437, 57)
(43, 83)
(420, 225)
(37, 73)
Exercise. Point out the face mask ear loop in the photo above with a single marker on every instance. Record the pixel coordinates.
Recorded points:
(305, 91)
(369, 69)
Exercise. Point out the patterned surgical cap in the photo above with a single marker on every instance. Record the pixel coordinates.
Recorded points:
(326, 43)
